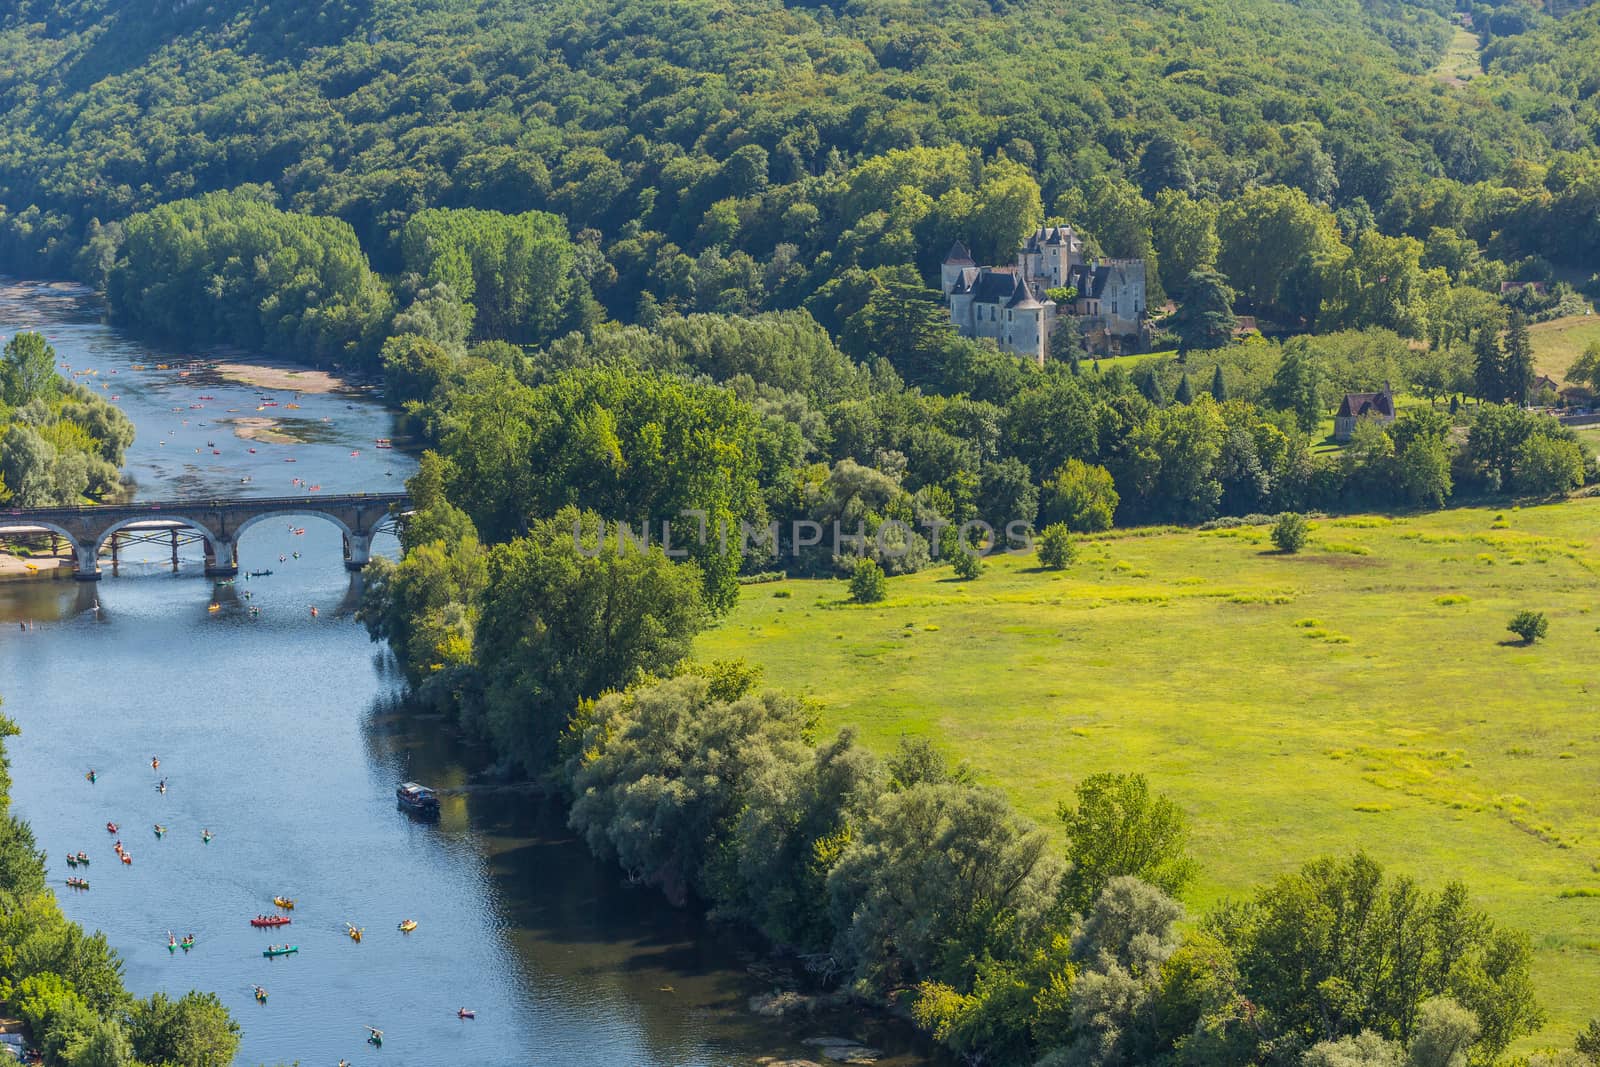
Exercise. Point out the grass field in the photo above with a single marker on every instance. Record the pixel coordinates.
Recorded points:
(1459, 64)
(1361, 694)
(1557, 344)
(1128, 362)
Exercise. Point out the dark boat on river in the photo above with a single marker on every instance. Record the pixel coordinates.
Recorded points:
(419, 800)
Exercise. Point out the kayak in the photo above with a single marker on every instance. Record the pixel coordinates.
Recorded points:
(271, 952)
(465, 1013)
(408, 925)
(284, 902)
(271, 920)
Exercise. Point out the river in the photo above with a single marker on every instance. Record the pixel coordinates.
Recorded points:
(281, 734)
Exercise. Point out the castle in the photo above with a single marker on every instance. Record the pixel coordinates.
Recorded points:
(1009, 304)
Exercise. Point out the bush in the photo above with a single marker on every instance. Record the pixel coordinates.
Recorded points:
(1055, 547)
(1081, 495)
(867, 584)
(1289, 532)
(968, 564)
(1529, 625)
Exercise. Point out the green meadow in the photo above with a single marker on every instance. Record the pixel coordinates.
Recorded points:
(1557, 344)
(1362, 694)
(1459, 64)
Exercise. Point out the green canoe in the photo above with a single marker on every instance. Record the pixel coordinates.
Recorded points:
(281, 951)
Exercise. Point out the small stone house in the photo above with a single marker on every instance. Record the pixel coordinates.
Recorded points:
(1355, 406)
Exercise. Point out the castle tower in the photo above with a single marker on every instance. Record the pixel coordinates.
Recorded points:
(954, 263)
(1029, 323)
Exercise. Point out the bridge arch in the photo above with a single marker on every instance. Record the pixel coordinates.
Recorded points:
(221, 556)
(30, 527)
(344, 528)
(200, 528)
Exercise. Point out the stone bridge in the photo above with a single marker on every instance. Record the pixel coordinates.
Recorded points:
(219, 523)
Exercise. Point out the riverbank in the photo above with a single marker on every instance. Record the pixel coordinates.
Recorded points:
(279, 732)
(33, 568)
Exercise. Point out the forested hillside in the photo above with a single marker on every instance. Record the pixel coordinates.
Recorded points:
(698, 150)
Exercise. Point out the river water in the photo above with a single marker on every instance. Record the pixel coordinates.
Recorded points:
(280, 733)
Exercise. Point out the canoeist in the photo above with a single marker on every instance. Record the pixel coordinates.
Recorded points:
(374, 1036)
(111, 827)
(261, 995)
(91, 776)
(466, 1013)
(155, 764)
(161, 786)
(313, 612)
(205, 836)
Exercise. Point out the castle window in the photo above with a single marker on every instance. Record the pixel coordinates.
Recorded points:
(1113, 307)
(991, 312)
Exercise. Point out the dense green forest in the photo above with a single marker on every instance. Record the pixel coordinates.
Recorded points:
(59, 440)
(67, 985)
(737, 157)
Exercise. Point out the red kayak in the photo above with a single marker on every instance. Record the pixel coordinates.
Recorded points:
(271, 920)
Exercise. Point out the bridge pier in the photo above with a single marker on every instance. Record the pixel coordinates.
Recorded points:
(222, 558)
(87, 567)
(357, 551)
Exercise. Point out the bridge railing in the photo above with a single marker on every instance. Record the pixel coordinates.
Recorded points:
(312, 503)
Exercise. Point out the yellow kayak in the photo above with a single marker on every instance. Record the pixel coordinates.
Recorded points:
(284, 902)
(408, 925)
